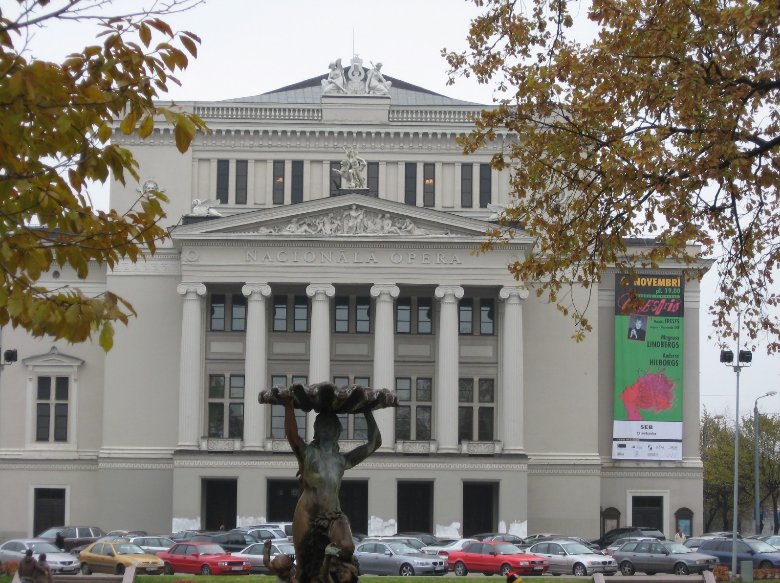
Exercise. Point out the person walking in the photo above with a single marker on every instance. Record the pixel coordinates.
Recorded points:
(43, 571)
(28, 567)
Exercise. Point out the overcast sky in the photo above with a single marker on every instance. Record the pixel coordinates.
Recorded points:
(254, 46)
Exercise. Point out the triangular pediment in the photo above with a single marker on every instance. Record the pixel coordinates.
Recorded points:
(53, 358)
(347, 216)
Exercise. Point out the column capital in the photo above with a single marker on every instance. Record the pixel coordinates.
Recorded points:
(259, 290)
(447, 293)
(320, 288)
(513, 293)
(187, 289)
(390, 289)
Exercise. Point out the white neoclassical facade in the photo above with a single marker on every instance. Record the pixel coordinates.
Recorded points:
(283, 267)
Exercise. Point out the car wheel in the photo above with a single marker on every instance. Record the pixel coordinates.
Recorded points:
(505, 569)
(766, 565)
(579, 570)
(205, 570)
(406, 570)
(460, 569)
(85, 570)
(627, 568)
(120, 569)
(168, 569)
(681, 569)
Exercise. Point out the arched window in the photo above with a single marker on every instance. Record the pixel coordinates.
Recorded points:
(610, 519)
(683, 519)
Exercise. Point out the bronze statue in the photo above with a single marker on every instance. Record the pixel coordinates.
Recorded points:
(321, 531)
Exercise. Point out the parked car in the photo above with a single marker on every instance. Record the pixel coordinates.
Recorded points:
(413, 542)
(152, 544)
(202, 558)
(771, 539)
(396, 558)
(115, 556)
(694, 542)
(490, 557)
(444, 550)
(499, 537)
(60, 562)
(763, 555)
(231, 541)
(540, 536)
(254, 553)
(568, 557)
(612, 549)
(628, 531)
(73, 536)
(285, 527)
(264, 533)
(185, 535)
(425, 537)
(653, 557)
(126, 533)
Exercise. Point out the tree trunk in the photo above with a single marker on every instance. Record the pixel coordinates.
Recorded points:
(774, 514)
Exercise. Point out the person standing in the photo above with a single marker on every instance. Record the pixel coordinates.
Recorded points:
(59, 541)
(28, 567)
(43, 571)
(679, 536)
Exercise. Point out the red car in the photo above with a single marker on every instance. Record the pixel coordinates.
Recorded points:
(204, 558)
(490, 557)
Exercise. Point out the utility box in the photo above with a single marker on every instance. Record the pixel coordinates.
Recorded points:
(746, 569)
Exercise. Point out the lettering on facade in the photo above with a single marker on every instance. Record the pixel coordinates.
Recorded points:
(332, 257)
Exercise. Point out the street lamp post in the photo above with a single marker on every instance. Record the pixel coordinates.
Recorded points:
(755, 460)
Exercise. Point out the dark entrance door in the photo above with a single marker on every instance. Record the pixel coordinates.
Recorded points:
(648, 511)
(282, 496)
(49, 509)
(220, 504)
(415, 506)
(480, 507)
(353, 498)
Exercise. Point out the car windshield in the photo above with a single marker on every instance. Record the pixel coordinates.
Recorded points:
(401, 548)
(577, 549)
(506, 549)
(129, 549)
(44, 548)
(287, 549)
(52, 532)
(760, 546)
(678, 549)
(211, 550)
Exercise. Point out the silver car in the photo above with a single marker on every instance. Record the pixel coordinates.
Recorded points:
(445, 550)
(254, 553)
(59, 561)
(397, 558)
(153, 544)
(661, 557)
(570, 557)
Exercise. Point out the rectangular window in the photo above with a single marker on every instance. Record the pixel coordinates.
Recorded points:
(237, 312)
(403, 316)
(466, 316)
(277, 411)
(341, 313)
(242, 170)
(217, 312)
(476, 409)
(363, 315)
(424, 316)
(352, 426)
(335, 178)
(301, 314)
(486, 317)
(466, 185)
(413, 416)
(51, 410)
(372, 179)
(278, 184)
(223, 171)
(410, 183)
(485, 195)
(280, 313)
(296, 184)
(429, 185)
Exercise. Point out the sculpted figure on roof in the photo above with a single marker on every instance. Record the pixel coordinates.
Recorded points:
(335, 81)
(376, 84)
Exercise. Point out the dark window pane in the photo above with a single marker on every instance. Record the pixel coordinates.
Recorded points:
(486, 317)
(223, 168)
(42, 421)
(465, 390)
(403, 388)
(236, 386)
(486, 391)
(485, 423)
(466, 316)
(340, 381)
(341, 309)
(485, 196)
(61, 389)
(403, 425)
(242, 167)
(410, 183)
(335, 178)
(403, 316)
(216, 419)
(424, 389)
(363, 381)
(465, 424)
(372, 178)
(296, 184)
(361, 428)
(429, 185)
(236, 421)
(61, 422)
(424, 316)
(44, 388)
(423, 424)
(238, 312)
(218, 312)
(301, 314)
(278, 184)
(466, 188)
(280, 314)
(363, 315)
(216, 386)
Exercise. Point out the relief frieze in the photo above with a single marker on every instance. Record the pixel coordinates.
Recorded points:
(350, 257)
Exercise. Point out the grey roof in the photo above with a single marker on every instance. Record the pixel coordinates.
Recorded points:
(310, 91)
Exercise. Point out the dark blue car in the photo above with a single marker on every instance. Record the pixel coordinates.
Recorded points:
(763, 555)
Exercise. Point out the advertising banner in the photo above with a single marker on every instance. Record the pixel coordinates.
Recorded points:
(648, 411)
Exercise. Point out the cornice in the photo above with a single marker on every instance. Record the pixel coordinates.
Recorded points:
(358, 243)
(161, 263)
(425, 464)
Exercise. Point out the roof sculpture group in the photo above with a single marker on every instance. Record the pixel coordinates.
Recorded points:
(355, 81)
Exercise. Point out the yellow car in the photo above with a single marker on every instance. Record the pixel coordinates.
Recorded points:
(117, 555)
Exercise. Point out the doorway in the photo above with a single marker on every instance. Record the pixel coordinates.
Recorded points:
(414, 503)
(648, 511)
(48, 508)
(281, 499)
(220, 503)
(480, 507)
(353, 498)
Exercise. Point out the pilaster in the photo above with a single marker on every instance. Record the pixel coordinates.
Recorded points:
(447, 368)
(191, 364)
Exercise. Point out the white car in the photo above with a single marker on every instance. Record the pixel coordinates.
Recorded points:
(59, 561)
(445, 549)
(567, 557)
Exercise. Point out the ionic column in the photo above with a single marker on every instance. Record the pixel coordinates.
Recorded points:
(255, 364)
(384, 295)
(447, 372)
(512, 393)
(319, 344)
(190, 364)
